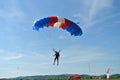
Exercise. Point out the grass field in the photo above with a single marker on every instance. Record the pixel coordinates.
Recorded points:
(85, 79)
(102, 79)
(60, 79)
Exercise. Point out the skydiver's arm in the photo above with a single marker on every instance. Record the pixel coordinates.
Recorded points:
(53, 49)
(59, 50)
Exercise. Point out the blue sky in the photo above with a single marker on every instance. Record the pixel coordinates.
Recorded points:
(24, 52)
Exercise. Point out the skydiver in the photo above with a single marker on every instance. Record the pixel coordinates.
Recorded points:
(57, 55)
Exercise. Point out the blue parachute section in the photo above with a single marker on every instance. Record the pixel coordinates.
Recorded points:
(41, 23)
(74, 29)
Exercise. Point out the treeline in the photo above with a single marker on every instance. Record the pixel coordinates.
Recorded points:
(62, 77)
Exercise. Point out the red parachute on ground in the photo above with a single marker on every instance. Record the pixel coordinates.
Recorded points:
(75, 76)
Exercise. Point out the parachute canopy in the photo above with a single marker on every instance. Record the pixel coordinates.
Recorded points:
(75, 76)
(56, 21)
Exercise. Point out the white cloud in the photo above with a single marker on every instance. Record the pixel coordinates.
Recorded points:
(11, 11)
(97, 7)
(102, 20)
(12, 14)
(5, 55)
(87, 55)
(93, 8)
(12, 57)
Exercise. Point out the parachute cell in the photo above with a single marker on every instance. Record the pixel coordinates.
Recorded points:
(55, 21)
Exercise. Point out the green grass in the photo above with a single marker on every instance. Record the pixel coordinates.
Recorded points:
(115, 79)
(62, 79)
(102, 79)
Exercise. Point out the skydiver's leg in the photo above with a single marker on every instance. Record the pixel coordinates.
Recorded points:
(54, 61)
(57, 61)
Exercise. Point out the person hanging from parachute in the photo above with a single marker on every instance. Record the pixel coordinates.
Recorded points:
(56, 55)
(60, 22)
